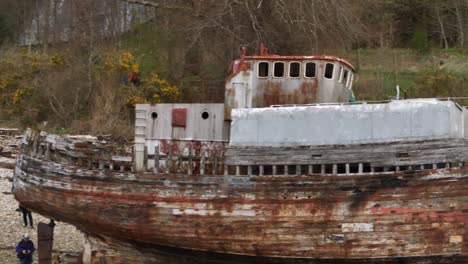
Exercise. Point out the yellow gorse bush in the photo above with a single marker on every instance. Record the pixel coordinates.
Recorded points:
(152, 89)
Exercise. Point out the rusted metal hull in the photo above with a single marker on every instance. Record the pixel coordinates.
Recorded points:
(379, 215)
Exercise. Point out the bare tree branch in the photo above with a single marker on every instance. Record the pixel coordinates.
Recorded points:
(143, 2)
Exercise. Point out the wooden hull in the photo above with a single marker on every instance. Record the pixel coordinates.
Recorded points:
(359, 216)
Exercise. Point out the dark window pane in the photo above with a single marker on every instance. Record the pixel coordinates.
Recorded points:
(310, 70)
(294, 69)
(329, 70)
(345, 77)
(263, 69)
(279, 69)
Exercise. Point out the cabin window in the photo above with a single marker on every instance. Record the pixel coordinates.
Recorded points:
(340, 77)
(329, 68)
(310, 69)
(294, 69)
(278, 70)
(263, 69)
(345, 77)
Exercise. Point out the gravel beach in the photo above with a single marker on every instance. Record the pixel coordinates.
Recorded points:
(66, 239)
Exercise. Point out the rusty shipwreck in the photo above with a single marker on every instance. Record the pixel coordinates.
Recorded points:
(286, 169)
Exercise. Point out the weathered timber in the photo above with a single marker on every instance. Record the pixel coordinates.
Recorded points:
(410, 214)
(384, 154)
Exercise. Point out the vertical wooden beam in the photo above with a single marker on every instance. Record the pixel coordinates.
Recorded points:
(169, 161)
(322, 169)
(360, 168)
(156, 159)
(202, 162)
(48, 147)
(190, 162)
(215, 163)
(145, 158)
(179, 162)
(347, 168)
(249, 170)
(298, 169)
(237, 170)
(261, 170)
(34, 145)
(335, 169)
(311, 169)
(275, 170)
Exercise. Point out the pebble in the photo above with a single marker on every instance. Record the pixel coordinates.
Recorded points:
(66, 237)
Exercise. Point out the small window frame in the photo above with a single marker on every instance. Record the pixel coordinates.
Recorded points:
(289, 70)
(349, 84)
(347, 75)
(268, 71)
(325, 71)
(273, 70)
(341, 75)
(305, 70)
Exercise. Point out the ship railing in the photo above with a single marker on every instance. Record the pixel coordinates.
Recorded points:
(336, 169)
(82, 151)
(461, 102)
(91, 153)
(189, 160)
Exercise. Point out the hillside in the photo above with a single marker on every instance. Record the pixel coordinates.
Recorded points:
(179, 51)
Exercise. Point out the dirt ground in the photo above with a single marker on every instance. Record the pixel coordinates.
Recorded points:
(66, 239)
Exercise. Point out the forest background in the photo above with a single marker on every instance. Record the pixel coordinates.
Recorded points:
(64, 64)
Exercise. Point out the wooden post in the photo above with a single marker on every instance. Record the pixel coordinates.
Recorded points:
(190, 162)
(322, 169)
(286, 172)
(202, 162)
(311, 169)
(145, 157)
(179, 162)
(47, 153)
(347, 168)
(156, 159)
(249, 170)
(275, 170)
(215, 163)
(34, 145)
(298, 170)
(169, 161)
(360, 168)
(261, 170)
(111, 162)
(39, 150)
(237, 170)
(226, 169)
(335, 169)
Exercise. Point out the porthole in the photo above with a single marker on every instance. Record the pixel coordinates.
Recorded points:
(205, 115)
(154, 115)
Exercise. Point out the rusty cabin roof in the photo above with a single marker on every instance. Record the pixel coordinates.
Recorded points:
(299, 58)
